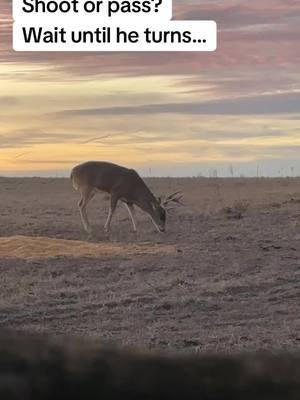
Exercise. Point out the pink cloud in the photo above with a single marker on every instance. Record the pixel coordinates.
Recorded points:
(255, 36)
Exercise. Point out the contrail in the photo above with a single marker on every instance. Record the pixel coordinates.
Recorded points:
(133, 134)
(21, 154)
(94, 139)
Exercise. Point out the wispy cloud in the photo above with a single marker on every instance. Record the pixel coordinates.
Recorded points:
(239, 104)
(253, 33)
(29, 137)
(264, 104)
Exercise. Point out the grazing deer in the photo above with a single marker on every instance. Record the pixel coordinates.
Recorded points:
(121, 184)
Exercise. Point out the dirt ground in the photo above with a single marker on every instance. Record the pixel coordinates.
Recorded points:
(224, 277)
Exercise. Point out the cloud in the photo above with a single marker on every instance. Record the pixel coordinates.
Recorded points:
(272, 42)
(48, 162)
(233, 14)
(264, 104)
(239, 103)
(22, 138)
(250, 82)
(7, 101)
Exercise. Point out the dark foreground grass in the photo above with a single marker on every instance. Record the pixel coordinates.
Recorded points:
(40, 367)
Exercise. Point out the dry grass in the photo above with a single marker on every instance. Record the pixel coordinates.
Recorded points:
(210, 283)
(238, 209)
(31, 248)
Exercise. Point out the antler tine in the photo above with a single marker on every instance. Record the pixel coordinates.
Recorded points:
(170, 197)
(174, 197)
(177, 200)
(169, 210)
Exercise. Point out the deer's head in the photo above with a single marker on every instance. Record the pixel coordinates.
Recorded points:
(158, 216)
(162, 206)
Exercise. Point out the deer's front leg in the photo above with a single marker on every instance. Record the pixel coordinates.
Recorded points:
(131, 212)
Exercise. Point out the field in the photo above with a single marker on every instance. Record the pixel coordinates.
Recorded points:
(224, 277)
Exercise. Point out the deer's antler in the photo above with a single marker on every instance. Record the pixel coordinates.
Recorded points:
(172, 198)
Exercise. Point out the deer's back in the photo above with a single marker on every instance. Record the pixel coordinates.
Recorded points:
(108, 177)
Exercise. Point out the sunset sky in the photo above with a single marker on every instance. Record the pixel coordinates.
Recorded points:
(162, 113)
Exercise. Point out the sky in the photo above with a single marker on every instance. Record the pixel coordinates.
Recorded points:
(236, 110)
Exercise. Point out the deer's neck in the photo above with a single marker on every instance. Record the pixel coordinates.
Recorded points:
(146, 199)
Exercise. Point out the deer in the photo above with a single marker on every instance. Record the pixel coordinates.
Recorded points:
(121, 184)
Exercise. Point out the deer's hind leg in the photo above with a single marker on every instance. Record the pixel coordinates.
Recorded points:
(112, 207)
(131, 212)
(86, 195)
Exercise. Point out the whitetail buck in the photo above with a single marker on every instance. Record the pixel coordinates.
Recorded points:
(121, 184)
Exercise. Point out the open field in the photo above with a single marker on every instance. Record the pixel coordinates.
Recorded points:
(225, 276)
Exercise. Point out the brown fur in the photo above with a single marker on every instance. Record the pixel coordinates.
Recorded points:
(121, 184)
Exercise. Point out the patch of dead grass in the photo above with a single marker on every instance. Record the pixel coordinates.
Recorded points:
(238, 209)
(29, 248)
